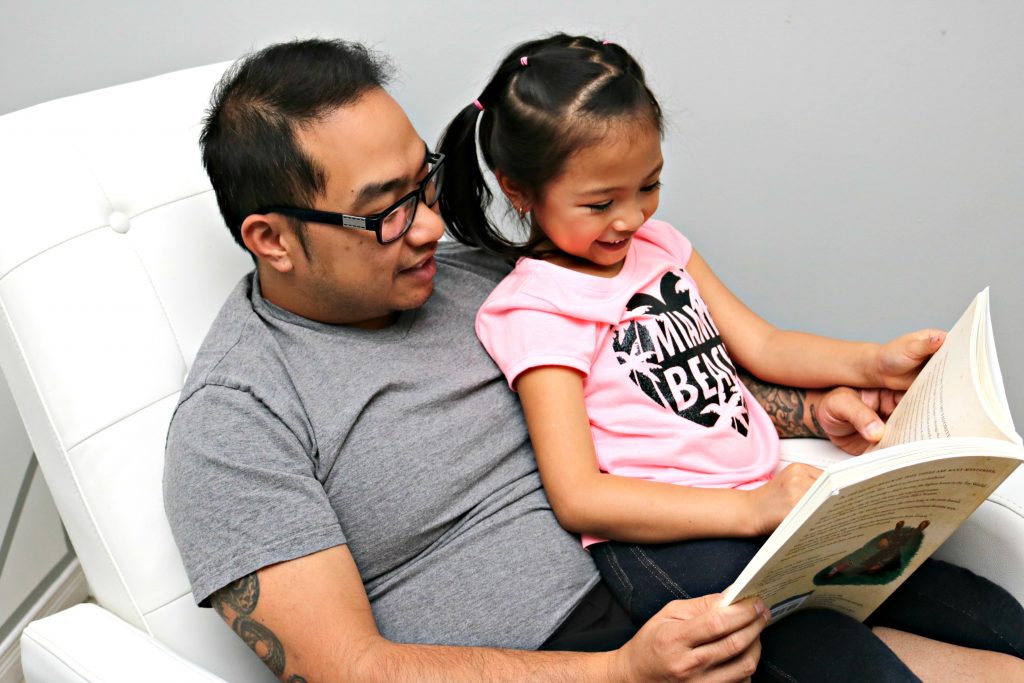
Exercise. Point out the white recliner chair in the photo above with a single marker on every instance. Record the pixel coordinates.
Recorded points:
(113, 262)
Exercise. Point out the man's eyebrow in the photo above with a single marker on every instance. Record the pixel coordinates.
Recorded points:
(372, 191)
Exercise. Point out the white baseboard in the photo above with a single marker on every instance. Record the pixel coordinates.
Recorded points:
(69, 589)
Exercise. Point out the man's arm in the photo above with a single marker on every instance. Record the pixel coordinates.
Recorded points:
(786, 406)
(849, 418)
(309, 620)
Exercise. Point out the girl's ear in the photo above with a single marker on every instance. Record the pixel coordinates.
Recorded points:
(515, 192)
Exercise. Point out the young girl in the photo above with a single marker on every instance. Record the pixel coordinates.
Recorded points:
(624, 346)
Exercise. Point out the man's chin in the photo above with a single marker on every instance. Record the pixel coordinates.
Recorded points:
(421, 297)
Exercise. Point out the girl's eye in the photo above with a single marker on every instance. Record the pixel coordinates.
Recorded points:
(598, 208)
(656, 185)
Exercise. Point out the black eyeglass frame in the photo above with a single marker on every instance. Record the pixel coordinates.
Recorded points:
(374, 223)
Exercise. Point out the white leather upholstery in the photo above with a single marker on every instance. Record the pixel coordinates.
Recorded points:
(53, 650)
(113, 263)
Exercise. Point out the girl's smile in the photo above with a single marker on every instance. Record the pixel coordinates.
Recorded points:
(604, 194)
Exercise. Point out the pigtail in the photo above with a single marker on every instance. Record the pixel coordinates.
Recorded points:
(465, 196)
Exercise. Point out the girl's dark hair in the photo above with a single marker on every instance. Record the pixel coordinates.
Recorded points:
(534, 116)
(249, 143)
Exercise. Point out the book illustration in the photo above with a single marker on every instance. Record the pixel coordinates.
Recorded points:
(880, 560)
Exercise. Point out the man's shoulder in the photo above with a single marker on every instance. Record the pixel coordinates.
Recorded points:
(469, 263)
(235, 340)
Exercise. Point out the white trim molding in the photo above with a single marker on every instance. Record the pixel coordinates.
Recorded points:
(69, 588)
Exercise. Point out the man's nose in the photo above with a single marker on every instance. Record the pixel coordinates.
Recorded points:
(426, 227)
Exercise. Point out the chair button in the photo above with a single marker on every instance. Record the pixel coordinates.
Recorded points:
(119, 222)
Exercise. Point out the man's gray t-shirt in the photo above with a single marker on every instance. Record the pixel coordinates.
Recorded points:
(292, 436)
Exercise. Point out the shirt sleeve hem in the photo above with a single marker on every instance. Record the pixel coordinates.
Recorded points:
(539, 361)
(287, 549)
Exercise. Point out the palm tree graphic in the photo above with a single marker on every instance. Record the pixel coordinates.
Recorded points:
(732, 410)
(637, 363)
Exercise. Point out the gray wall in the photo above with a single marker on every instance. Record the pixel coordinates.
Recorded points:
(853, 169)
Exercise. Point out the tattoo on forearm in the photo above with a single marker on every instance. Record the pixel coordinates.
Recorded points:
(784, 405)
(262, 641)
(818, 430)
(235, 603)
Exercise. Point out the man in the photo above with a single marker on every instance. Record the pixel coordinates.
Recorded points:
(348, 478)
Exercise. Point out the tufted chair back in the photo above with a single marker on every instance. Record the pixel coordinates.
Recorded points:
(114, 261)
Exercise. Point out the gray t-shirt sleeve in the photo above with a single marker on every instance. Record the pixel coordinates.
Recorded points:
(240, 490)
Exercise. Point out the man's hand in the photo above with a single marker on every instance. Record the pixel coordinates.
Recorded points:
(899, 360)
(853, 419)
(694, 640)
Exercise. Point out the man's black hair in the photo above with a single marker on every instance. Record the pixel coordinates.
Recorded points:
(249, 143)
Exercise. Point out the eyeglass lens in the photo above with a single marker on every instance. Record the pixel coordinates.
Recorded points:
(396, 223)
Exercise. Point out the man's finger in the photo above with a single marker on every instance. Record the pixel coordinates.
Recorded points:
(704, 620)
(887, 402)
(871, 397)
(732, 657)
(689, 609)
(847, 408)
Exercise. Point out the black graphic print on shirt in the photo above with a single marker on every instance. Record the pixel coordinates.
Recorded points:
(675, 355)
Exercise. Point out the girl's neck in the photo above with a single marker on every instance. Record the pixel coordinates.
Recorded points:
(559, 258)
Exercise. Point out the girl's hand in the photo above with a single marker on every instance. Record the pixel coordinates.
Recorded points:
(773, 501)
(898, 361)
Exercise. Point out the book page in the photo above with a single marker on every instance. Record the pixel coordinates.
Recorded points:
(947, 398)
(991, 380)
(992, 362)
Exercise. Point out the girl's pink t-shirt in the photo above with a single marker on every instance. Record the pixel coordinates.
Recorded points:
(661, 392)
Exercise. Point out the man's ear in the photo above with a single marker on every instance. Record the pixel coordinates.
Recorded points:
(516, 194)
(271, 239)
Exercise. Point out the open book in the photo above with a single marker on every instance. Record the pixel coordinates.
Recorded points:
(870, 521)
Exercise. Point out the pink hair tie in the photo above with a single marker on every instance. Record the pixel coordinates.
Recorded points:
(522, 60)
(476, 103)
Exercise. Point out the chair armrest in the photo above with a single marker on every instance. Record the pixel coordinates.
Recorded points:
(818, 452)
(88, 644)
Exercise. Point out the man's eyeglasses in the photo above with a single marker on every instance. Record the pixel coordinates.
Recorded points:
(391, 223)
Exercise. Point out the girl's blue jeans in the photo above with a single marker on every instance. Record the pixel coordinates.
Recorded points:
(939, 601)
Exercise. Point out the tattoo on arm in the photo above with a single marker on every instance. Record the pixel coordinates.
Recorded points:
(784, 405)
(262, 641)
(235, 603)
(818, 431)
